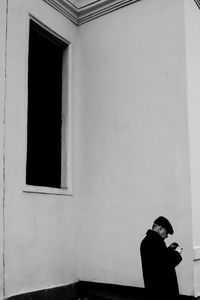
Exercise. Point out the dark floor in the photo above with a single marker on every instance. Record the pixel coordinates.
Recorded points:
(101, 291)
(82, 290)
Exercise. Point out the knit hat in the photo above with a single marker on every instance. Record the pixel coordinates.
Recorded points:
(162, 221)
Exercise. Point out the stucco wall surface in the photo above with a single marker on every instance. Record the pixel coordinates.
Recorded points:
(130, 157)
(192, 17)
(40, 229)
(2, 100)
(134, 159)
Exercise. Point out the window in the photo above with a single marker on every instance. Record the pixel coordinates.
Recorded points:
(46, 120)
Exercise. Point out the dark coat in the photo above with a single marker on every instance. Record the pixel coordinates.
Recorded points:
(158, 265)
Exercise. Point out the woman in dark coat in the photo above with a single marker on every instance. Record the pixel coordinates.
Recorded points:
(159, 262)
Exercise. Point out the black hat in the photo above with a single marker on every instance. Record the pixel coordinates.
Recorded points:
(162, 221)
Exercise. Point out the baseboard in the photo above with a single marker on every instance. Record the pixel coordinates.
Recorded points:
(67, 292)
(84, 290)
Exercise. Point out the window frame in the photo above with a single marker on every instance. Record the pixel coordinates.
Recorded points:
(66, 164)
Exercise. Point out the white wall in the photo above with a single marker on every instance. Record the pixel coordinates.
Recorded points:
(130, 148)
(133, 139)
(40, 228)
(192, 16)
(2, 99)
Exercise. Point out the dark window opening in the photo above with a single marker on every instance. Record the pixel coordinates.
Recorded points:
(44, 132)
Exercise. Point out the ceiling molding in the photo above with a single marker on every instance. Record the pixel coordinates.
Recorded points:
(197, 3)
(66, 8)
(90, 10)
(82, 3)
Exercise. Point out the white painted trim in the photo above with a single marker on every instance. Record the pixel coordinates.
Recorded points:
(65, 8)
(196, 250)
(47, 190)
(197, 3)
(68, 180)
(80, 4)
(89, 11)
(66, 175)
(99, 9)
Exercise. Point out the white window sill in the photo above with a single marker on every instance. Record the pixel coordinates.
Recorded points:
(47, 190)
(196, 252)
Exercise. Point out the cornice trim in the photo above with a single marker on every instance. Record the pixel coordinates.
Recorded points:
(66, 8)
(88, 12)
(197, 3)
(77, 4)
(101, 8)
